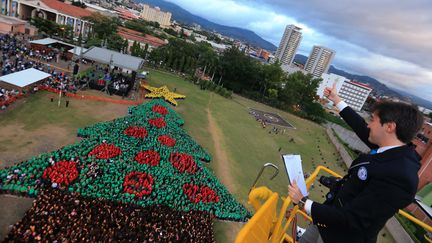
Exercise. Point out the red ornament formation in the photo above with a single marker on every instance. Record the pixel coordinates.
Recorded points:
(138, 183)
(183, 162)
(160, 109)
(138, 132)
(202, 193)
(167, 140)
(157, 122)
(149, 157)
(63, 172)
(105, 151)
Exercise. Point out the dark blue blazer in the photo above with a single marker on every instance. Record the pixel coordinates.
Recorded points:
(374, 189)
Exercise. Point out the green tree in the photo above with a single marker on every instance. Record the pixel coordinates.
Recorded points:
(103, 27)
(138, 25)
(299, 94)
(115, 42)
(145, 51)
(270, 78)
(240, 72)
(45, 26)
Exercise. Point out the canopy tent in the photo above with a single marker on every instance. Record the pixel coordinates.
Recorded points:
(77, 50)
(114, 58)
(49, 41)
(24, 78)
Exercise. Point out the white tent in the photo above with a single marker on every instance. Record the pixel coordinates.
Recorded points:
(114, 58)
(25, 77)
(49, 41)
(78, 50)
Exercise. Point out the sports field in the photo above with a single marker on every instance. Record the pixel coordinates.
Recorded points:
(238, 143)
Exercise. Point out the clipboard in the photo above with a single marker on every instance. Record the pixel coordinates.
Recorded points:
(294, 170)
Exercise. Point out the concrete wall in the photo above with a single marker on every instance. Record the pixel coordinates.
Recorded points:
(350, 138)
(339, 147)
(5, 28)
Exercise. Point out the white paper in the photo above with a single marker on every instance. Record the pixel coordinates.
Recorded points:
(293, 165)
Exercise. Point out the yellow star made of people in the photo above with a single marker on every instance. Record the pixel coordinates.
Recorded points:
(163, 92)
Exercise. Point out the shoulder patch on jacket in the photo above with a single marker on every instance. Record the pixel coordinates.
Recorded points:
(362, 173)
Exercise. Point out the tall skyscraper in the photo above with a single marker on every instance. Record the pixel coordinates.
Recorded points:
(319, 60)
(289, 44)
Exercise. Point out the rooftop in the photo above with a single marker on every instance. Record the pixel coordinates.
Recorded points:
(67, 8)
(361, 84)
(11, 20)
(138, 36)
(118, 59)
(24, 77)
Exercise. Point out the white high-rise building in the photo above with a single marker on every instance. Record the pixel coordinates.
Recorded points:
(319, 60)
(156, 15)
(352, 92)
(288, 45)
(328, 79)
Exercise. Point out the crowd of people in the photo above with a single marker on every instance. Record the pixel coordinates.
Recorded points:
(17, 55)
(58, 217)
(113, 164)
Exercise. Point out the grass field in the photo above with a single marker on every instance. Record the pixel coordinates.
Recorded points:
(238, 143)
(248, 145)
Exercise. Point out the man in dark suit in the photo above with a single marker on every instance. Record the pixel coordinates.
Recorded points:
(377, 185)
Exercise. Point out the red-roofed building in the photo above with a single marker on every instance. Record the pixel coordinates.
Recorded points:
(126, 14)
(57, 11)
(142, 39)
(423, 141)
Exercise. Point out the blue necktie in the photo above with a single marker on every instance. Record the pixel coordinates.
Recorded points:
(373, 151)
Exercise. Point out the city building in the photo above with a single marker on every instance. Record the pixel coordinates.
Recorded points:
(14, 25)
(126, 14)
(328, 79)
(354, 93)
(156, 15)
(263, 54)
(319, 60)
(423, 143)
(101, 10)
(57, 11)
(422, 208)
(292, 69)
(131, 35)
(288, 45)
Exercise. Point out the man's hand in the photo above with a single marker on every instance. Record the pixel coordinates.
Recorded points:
(331, 94)
(294, 192)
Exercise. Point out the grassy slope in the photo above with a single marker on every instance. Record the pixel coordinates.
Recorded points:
(248, 145)
(36, 111)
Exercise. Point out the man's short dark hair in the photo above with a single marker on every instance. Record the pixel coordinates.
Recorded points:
(407, 117)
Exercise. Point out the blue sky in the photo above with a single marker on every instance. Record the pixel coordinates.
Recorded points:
(388, 40)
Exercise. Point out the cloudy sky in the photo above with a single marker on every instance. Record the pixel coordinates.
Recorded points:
(388, 40)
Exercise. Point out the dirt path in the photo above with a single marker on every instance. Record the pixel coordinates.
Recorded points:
(221, 160)
(220, 156)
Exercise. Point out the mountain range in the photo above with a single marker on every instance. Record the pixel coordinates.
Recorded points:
(182, 16)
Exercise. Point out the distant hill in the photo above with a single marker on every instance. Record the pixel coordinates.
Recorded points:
(378, 87)
(181, 15)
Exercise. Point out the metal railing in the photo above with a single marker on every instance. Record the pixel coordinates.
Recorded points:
(267, 225)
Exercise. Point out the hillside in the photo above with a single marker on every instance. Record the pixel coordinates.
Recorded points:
(183, 16)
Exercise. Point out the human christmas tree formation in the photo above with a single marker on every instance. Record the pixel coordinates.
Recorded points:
(145, 159)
